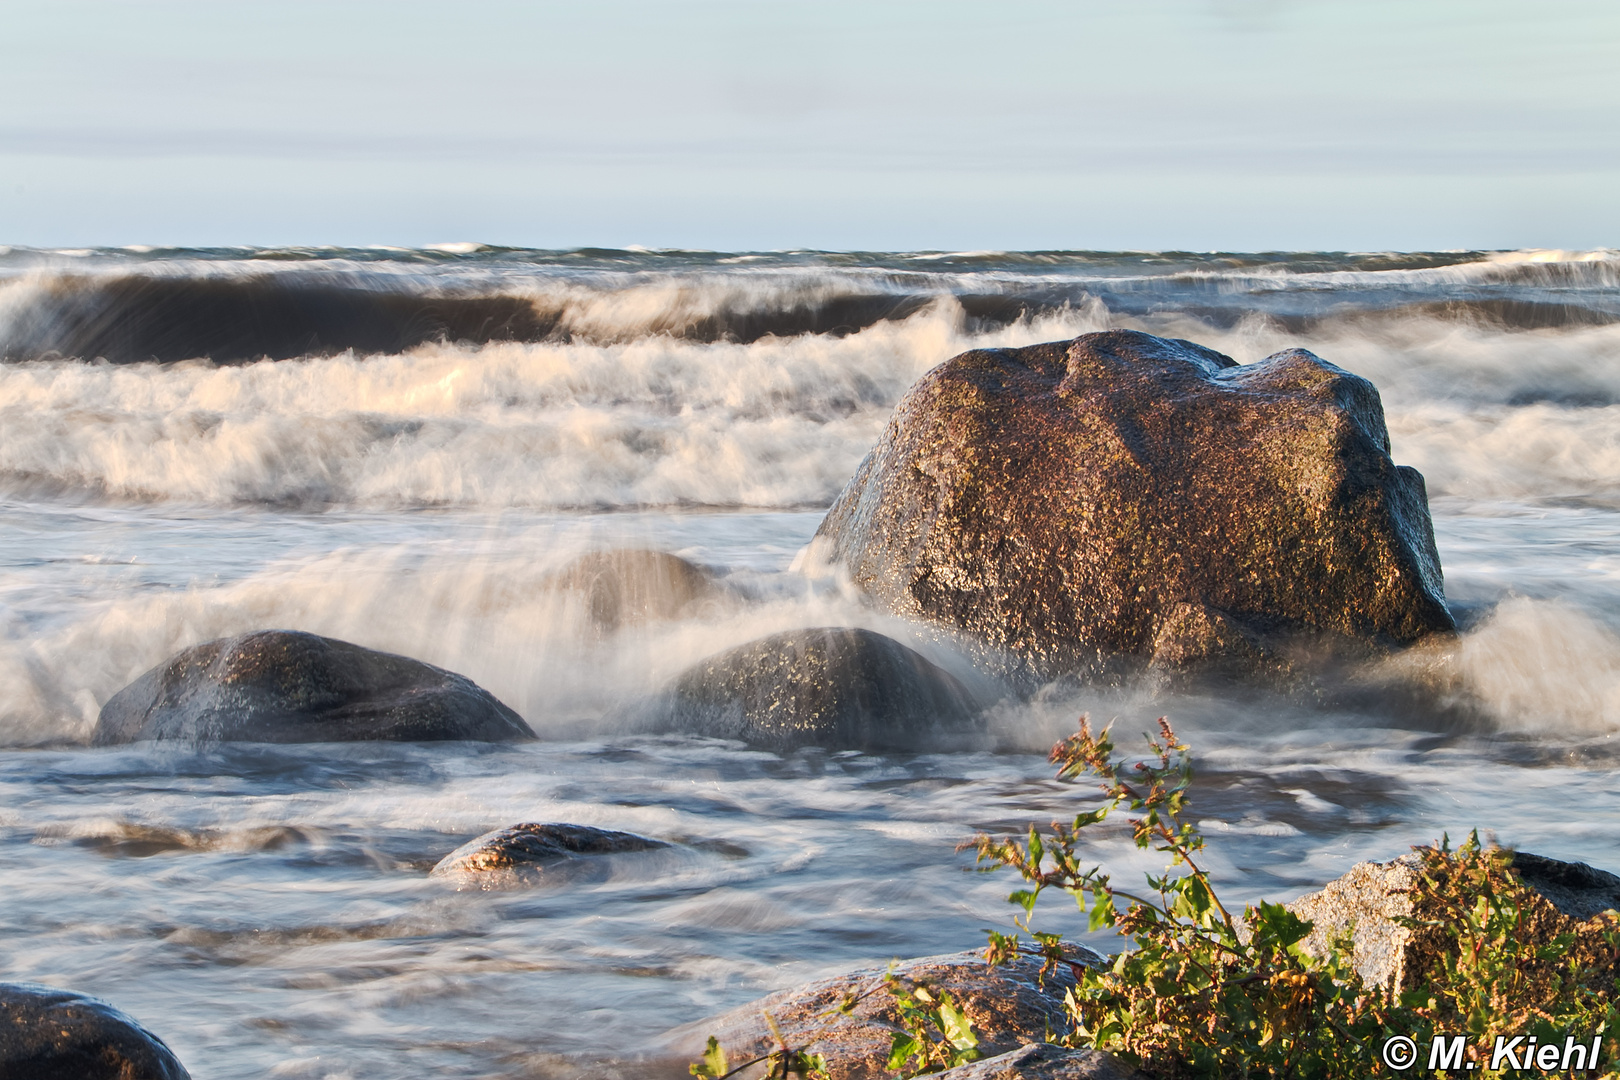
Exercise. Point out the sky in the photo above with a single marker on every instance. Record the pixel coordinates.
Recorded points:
(1243, 125)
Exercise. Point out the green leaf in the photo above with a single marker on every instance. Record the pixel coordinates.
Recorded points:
(958, 1030)
(902, 1049)
(714, 1065)
(1103, 914)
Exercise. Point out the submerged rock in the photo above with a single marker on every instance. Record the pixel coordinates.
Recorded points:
(1370, 899)
(51, 1034)
(527, 854)
(835, 687)
(1009, 1006)
(627, 586)
(285, 686)
(1123, 495)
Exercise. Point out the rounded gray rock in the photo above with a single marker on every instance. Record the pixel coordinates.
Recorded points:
(839, 688)
(285, 686)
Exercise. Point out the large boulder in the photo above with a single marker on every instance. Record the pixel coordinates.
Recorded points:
(530, 854)
(285, 686)
(626, 586)
(1009, 1006)
(839, 688)
(51, 1034)
(1127, 496)
(1371, 900)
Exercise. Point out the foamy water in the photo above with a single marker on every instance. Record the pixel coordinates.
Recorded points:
(268, 911)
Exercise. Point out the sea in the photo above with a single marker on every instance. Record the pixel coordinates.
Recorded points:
(397, 447)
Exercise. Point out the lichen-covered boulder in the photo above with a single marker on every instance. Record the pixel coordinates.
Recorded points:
(839, 688)
(626, 586)
(1371, 898)
(284, 686)
(51, 1034)
(1123, 495)
(1009, 1006)
(530, 854)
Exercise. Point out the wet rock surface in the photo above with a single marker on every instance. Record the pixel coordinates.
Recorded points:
(1008, 1006)
(51, 1034)
(1372, 896)
(835, 687)
(529, 853)
(627, 586)
(284, 686)
(1128, 496)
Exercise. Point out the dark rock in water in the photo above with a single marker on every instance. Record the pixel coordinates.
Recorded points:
(1369, 900)
(284, 686)
(1123, 495)
(631, 585)
(834, 687)
(51, 1034)
(1009, 1006)
(523, 854)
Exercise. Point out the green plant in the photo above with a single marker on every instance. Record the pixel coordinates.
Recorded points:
(1495, 958)
(1207, 994)
(935, 1034)
(780, 1064)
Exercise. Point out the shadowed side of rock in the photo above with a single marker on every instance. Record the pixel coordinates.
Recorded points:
(286, 686)
(839, 688)
(51, 1034)
(1127, 496)
(1009, 1007)
(529, 853)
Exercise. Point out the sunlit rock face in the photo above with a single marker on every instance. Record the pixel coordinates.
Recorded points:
(1127, 496)
(285, 686)
(1009, 1006)
(533, 853)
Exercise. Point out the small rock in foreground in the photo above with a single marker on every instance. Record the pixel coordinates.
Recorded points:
(1008, 1006)
(51, 1034)
(1044, 1061)
(527, 854)
(285, 686)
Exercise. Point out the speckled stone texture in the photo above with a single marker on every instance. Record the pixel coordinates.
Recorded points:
(530, 853)
(1008, 1006)
(835, 687)
(1371, 896)
(628, 586)
(1123, 495)
(1044, 1061)
(284, 686)
(51, 1034)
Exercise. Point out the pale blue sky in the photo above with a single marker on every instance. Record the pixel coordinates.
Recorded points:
(1238, 124)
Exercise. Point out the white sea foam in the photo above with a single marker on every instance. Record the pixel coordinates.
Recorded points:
(656, 421)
